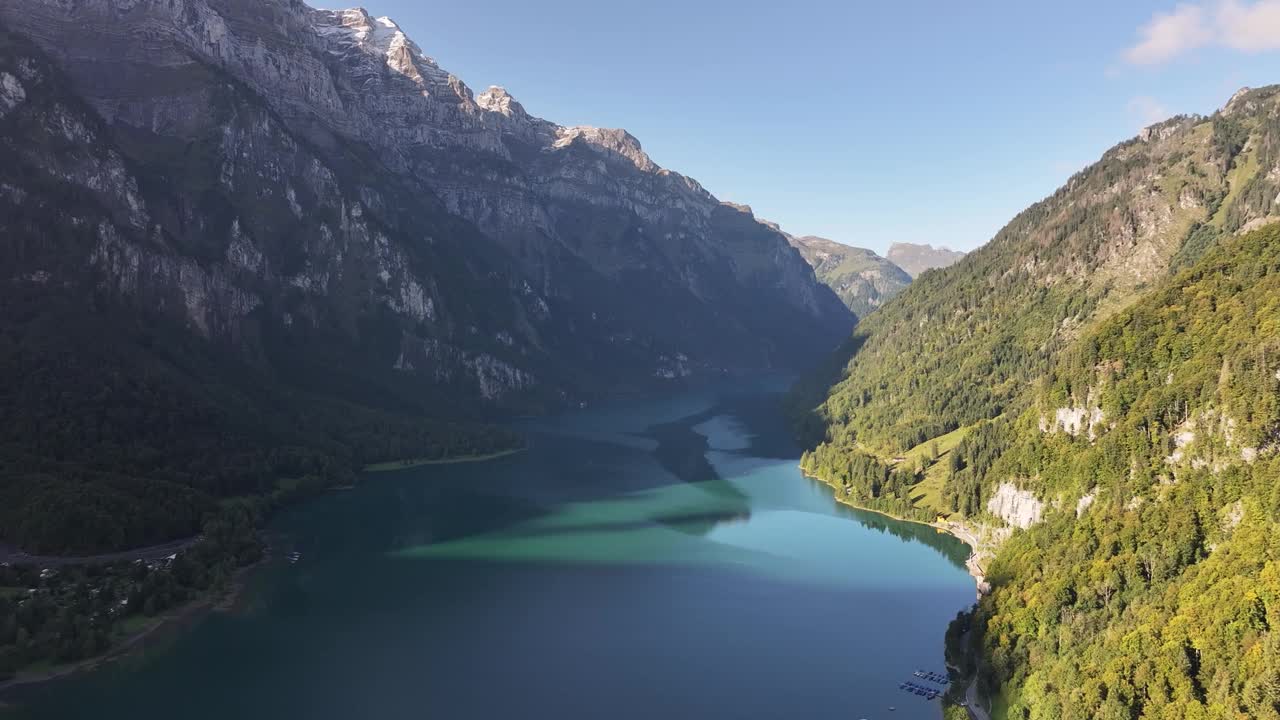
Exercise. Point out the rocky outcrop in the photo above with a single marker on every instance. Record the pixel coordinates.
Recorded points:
(1075, 419)
(1018, 508)
(1085, 502)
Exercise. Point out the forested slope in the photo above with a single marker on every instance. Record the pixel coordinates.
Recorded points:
(1152, 587)
(960, 344)
(1096, 396)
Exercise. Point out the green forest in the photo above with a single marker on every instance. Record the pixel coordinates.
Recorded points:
(1141, 405)
(1162, 598)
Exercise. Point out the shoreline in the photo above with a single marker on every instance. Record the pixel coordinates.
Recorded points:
(393, 465)
(125, 647)
(959, 531)
(974, 702)
(226, 601)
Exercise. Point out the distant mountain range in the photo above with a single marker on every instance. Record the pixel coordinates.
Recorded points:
(862, 279)
(915, 259)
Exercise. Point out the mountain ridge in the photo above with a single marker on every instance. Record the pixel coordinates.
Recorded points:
(861, 278)
(527, 183)
(916, 259)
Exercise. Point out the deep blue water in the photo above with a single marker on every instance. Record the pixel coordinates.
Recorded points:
(656, 559)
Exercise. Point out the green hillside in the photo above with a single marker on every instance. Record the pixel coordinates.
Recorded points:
(1096, 393)
(1162, 598)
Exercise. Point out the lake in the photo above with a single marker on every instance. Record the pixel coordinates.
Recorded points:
(647, 559)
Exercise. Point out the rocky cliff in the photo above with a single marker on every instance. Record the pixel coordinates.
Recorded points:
(309, 188)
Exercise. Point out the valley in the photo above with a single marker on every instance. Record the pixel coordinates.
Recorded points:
(336, 388)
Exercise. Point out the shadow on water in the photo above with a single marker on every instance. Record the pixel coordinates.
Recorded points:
(726, 462)
(682, 451)
(950, 547)
(667, 544)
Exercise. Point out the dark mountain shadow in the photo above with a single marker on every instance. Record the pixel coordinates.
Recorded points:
(801, 404)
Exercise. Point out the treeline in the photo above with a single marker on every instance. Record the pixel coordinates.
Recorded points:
(866, 480)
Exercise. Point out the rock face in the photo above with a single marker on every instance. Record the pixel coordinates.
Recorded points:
(308, 184)
(1018, 508)
(915, 259)
(861, 279)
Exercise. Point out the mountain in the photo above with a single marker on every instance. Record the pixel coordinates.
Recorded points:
(299, 159)
(1093, 400)
(247, 240)
(962, 343)
(862, 279)
(915, 259)
(1146, 471)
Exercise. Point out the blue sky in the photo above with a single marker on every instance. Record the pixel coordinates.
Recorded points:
(867, 123)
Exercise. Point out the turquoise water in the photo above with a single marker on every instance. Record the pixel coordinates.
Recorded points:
(648, 559)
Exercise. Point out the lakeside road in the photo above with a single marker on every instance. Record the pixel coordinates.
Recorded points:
(976, 712)
(15, 556)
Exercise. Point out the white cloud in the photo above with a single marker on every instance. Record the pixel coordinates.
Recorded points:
(1169, 35)
(1244, 26)
(1250, 28)
(1147, 110)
